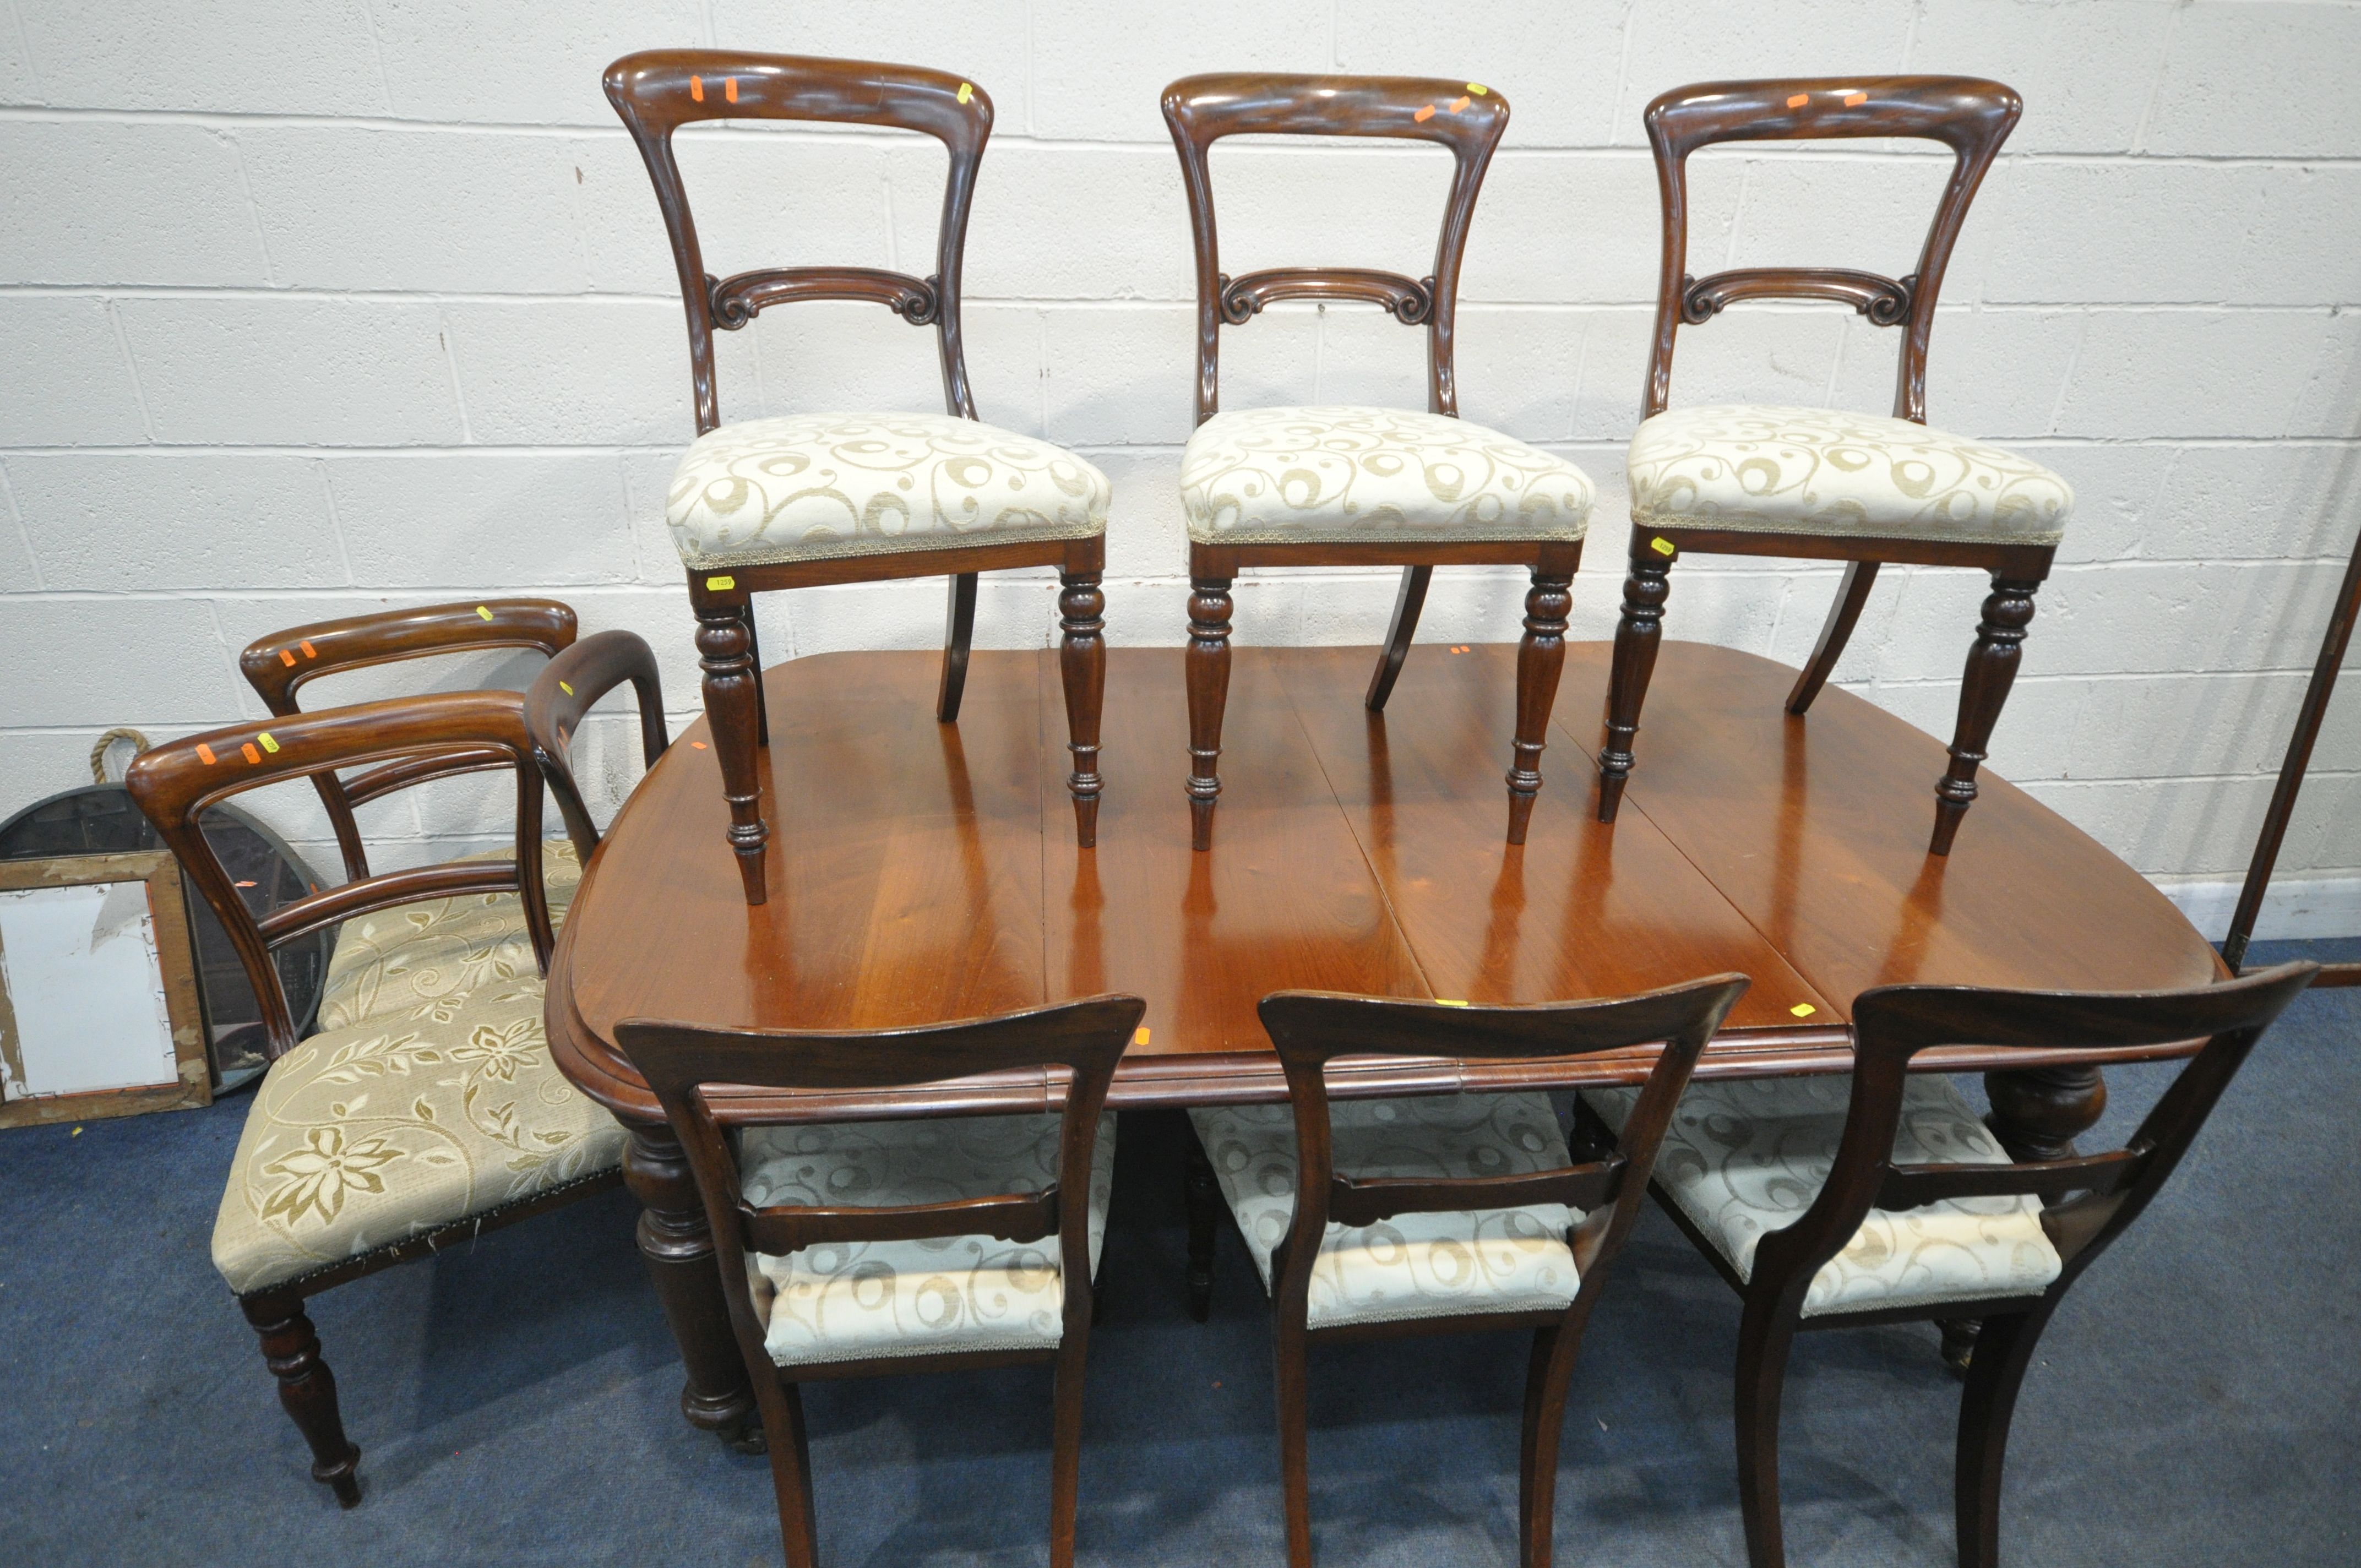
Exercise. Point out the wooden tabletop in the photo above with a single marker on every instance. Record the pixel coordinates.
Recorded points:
(923, 873)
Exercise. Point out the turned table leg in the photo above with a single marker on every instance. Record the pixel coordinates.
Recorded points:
(2036, 1114)
(678, 1250)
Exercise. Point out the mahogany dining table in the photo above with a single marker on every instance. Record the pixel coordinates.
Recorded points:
(924, 872)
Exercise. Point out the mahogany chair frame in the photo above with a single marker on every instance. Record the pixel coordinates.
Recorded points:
(690, 1069)
(2094, 1199)
(1467, 119)
(657, 93)
(280, 665)
(175, 783)
(1973, 117)
(566, 690)
(1310, 1029)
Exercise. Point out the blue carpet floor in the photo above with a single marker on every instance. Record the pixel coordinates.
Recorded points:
(2198, 1400)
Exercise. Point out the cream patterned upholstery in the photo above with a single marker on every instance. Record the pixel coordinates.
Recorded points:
(1293, 475)
(852, 1301)
(1747, 1156)
(821, 487)
(1823, 471)
(389, 963)
(1412, 1266)
(367, 1135)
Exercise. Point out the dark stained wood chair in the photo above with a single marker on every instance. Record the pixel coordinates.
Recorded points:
(823, 498)
(1833, 1204)
(1747, 479)
(1336, 485)
(936, 1267)
(1439, 1213)
(567, 689)
(426, 1110)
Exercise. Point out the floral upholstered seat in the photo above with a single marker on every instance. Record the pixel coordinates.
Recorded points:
(390, 962)
(1412, 1266)
(1747, 1156)
(825, 487)
(1290, 475)
(1753, 469)
(370, 1135)
(852, 1302)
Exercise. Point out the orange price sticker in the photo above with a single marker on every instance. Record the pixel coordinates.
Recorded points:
(251, 754)
(309, 652)
(286, 658)
(1853, 98)
(696, 745)
(1799, 100)
(204, 754)
(1425, 113)
(696, 88)
(1457, 105)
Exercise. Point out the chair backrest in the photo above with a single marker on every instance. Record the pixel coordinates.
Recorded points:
(565, 691)
(278, 666)
(1465, 116)
(1969, 116)
(176, 783)
(659, 90)
(1893, 1023)
(683, 1063)
(1313, 1029)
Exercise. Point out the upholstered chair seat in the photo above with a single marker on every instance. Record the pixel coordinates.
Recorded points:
(942, 1295)
(1278, 475)
(1414, 1265)
(829, 486)
(391, 963)
(371, 1135)
(1749, 467)
(1747, 1156)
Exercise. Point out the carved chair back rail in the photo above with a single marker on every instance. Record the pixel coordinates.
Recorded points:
(564, 692)
(1077, 1044)
(280, 665)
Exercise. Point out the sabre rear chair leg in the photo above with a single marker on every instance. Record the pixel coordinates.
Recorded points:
(1408, 599)
(307, 1390)
(1541, 655)
(1638, 635)
(1208, 693)
(1992, 669)
(732, 711)
(1081, 664)
(959, 630)
(1835, 632)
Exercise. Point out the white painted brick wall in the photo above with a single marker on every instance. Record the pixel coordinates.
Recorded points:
(314, 307)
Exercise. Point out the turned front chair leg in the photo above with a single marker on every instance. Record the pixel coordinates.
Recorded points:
(1541, 655)
(1637, 635)
(729, 710)
(1081, 662)
(755, 658)
(1408, 599)
(1992, 669)
(959, 630)
(307, 1390)
(1208, 693)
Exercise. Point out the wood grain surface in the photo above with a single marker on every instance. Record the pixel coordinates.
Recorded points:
(927, 873)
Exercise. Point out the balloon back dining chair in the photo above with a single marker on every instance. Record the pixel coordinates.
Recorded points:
(941, 1265)
(810, 499)
(1751, 479)
(425, 1109)
(1438, 1213)
(1350, 486)
(1830, 1202)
